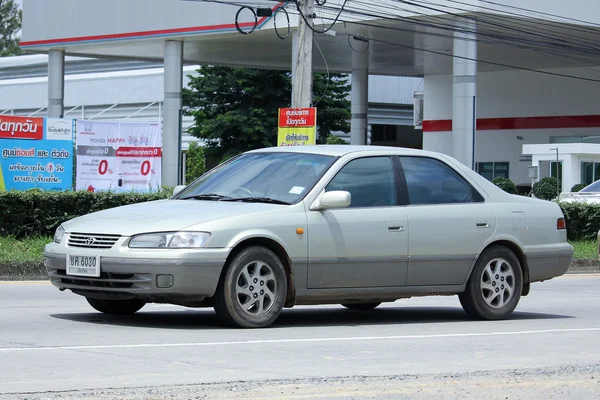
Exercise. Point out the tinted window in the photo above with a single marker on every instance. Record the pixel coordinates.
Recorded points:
(369, 180)
(430, 181)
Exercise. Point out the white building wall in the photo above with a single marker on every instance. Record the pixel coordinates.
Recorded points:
(393, 89)
(514, 94)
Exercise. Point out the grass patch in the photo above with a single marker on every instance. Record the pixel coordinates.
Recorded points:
(586, 249)
(22, 251)
(31, 249)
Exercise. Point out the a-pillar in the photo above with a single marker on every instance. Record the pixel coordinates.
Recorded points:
(56, 83)
(359, 97)
(172, 105)
(464, 91)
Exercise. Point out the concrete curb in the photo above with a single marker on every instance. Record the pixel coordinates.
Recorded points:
(31, 271)
(27, 271)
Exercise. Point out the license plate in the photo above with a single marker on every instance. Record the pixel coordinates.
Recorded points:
(83, 266)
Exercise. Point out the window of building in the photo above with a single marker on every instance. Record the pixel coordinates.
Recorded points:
(384, 133)
(553, 170)
(590, 172)
(493, 170)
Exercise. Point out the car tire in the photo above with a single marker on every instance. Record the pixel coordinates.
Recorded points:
(361, 306)
(252, 292)
(116, 307)
(495, 285)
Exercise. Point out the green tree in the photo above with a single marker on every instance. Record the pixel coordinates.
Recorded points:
(332, 139)
(196, 162)
(10, 25)
(235, 109)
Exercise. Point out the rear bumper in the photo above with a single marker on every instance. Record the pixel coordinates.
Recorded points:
(548, 265)
(139, 277)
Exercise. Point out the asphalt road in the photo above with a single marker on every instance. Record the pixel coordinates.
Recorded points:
(54, 346)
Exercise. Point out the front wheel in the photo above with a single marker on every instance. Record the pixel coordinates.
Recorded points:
(252, 292)
(495, 285)
(116, 307)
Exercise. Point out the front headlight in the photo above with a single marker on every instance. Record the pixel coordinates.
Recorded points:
(180, 240)
(59, 234)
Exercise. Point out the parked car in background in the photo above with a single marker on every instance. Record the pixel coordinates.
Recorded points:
(332, 224)
(589, 194)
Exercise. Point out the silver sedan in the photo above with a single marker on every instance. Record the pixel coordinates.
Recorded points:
(286, 226)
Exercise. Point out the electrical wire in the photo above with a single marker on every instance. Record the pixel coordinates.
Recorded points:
(541, 13)
(570, 51)
(344, 9)
(328, 73)
(505, 65)
(482, 33)
(237, 24)
(352, 47)
(470, 18)
(304, 17)
(484, 61)
(289, 28)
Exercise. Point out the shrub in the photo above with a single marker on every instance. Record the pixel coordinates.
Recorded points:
(196, 162)
(545, 189)
(333, 139)
(578, 187)
(505, 184)
(583, 220)
(36, 212)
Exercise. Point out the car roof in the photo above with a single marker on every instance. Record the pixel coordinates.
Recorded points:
(341, 150)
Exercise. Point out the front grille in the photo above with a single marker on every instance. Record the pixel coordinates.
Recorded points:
(92, 241)
(106, 280)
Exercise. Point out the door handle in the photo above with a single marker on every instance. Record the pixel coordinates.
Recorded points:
(482, 223)
(395, 227)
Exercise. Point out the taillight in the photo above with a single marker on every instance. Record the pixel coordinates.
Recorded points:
(561, 224)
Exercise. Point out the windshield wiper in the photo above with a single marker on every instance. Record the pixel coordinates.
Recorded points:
(209, 196)
(258, 200)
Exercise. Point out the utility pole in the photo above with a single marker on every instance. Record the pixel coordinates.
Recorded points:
(302, 78)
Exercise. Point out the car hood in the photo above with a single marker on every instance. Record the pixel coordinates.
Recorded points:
(161, 215)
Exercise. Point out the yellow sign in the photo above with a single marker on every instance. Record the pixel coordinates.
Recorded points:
(2, 186)
(297, 127)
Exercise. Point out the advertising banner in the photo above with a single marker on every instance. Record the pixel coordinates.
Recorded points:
(297, 126)
(118, 156)
(37, 153)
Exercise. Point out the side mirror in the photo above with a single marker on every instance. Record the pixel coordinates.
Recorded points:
(332, 200)
(178, 189)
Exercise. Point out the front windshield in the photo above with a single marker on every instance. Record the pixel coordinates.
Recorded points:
(593, 188)
(284, 177)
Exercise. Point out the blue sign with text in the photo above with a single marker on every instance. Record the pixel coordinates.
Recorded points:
(37, 153)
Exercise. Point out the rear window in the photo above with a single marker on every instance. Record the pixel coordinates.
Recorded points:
(594, 187)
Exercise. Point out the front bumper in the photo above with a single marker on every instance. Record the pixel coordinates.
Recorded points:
(135, 274)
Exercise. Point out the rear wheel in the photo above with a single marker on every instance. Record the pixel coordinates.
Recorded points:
(361, 306)
(116, 307)
(252, 292)
(495, 285)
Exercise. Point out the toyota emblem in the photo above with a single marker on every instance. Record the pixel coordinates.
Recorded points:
(90, 241)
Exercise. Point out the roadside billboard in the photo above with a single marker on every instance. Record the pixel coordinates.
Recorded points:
(118, 156)
(37, 153)
(297, 126)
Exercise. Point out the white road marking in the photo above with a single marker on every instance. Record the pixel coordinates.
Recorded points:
(275, 341)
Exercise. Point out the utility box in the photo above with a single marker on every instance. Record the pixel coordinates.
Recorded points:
(533, 171)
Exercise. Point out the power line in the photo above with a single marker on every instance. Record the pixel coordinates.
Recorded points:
(557, 74)
(540, 13)
(447, 27)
